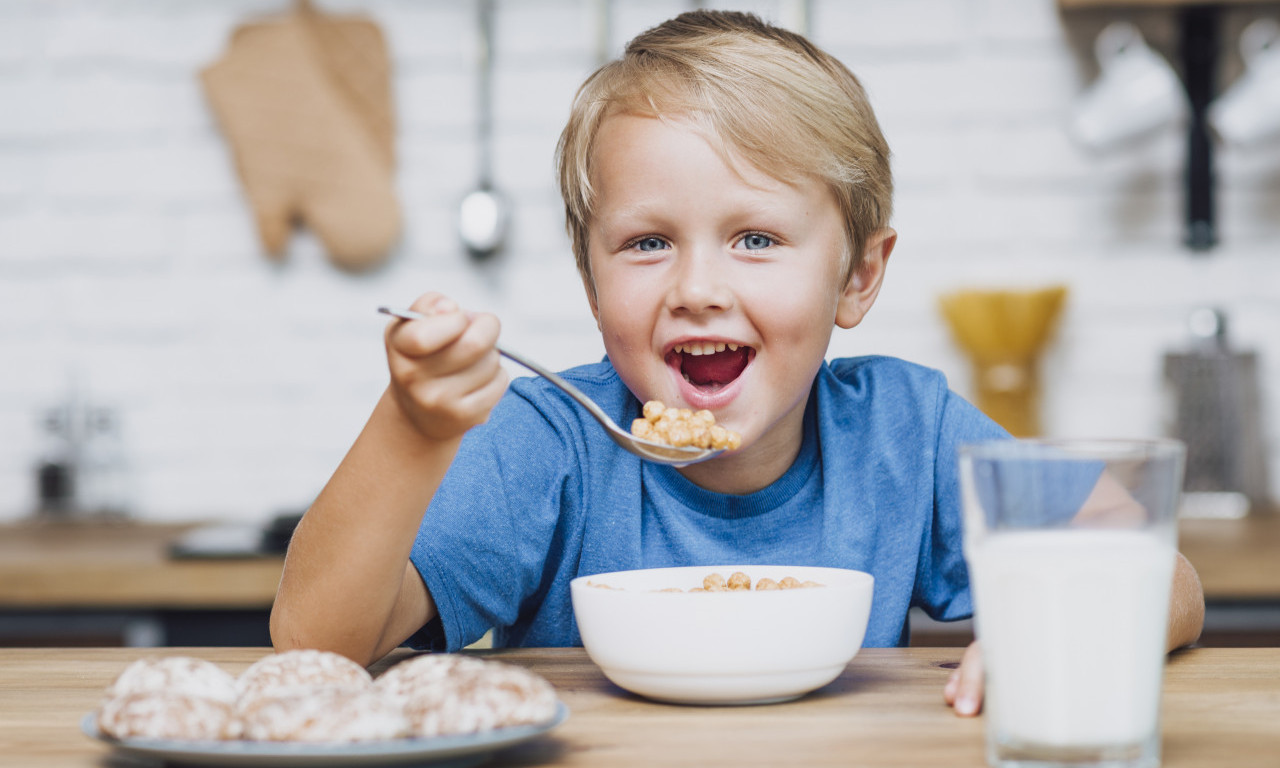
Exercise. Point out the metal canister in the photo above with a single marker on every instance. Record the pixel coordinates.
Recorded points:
(1215, 409)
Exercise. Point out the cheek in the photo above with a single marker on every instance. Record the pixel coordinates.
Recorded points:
(795, 313)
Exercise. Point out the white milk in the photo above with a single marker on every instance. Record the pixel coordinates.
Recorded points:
(1073, 627)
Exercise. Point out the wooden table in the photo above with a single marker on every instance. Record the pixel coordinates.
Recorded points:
(1221, 708)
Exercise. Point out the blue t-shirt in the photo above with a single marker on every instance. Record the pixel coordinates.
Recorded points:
(539, 495)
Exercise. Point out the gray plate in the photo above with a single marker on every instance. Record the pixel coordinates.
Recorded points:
(439, 752)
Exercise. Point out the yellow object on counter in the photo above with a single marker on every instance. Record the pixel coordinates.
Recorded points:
(1004, 333)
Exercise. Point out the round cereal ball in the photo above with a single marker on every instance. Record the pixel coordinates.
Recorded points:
(301, 673)
(469, 699)
(167, 715)
(325, 716)
(175, 674)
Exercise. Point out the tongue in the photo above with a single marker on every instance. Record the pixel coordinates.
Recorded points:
(713, 370)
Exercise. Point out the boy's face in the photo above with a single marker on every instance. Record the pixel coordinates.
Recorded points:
(716, 287)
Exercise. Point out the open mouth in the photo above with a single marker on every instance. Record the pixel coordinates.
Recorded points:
(710, 365)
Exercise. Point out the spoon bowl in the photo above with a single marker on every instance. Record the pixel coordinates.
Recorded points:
(659, 453)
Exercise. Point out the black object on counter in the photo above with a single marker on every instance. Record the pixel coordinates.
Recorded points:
(236, 540)
(276, 536)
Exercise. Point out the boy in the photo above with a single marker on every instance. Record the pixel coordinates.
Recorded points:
(728, 194)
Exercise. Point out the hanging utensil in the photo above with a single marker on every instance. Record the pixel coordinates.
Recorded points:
(484, 213)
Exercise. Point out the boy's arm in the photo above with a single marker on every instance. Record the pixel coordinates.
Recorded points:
(964, 689)
(1186, 605)
(348, 585)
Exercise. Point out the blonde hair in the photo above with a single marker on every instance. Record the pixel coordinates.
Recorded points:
(781, 104)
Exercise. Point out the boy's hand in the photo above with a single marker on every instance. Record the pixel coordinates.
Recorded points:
(963, 691)
(445, 374)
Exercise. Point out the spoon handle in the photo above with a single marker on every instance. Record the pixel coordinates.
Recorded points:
(568, 388)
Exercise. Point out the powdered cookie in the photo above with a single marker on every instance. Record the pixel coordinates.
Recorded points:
(404, 680)
(301, 673)
(175, 674)
(472, 699)
(329, 716)
(167, 715)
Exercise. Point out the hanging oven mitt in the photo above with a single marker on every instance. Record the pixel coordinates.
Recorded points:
(304, 99)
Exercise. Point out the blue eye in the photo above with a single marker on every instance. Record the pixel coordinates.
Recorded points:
(650, 244)
(756, 241)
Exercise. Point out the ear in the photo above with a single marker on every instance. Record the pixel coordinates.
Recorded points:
(588, 285)
(864, 285)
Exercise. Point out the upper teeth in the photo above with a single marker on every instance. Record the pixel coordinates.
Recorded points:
(705, 347)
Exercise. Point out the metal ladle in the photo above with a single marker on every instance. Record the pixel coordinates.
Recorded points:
(659, 453)
(484, 212)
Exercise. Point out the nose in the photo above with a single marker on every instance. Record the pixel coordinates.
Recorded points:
(699, 282)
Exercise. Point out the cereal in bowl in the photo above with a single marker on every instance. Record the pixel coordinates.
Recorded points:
(737, 582)
(741, 582)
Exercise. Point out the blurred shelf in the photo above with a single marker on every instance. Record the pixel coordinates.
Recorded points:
(1238, 560)
(95, 565)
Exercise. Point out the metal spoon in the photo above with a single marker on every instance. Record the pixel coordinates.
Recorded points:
(659, 453)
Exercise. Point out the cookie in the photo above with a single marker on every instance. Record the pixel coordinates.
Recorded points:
(175, 674)
(446, 694)
(301, 673)
(404, 680)
(326, 716)
(167, 715)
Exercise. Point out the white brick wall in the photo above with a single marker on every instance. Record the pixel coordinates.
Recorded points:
(129, 263)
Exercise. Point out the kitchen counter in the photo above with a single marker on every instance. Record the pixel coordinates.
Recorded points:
(1236, 559)
(127, 564)
(126, 567)
(1220, 708)
(114, 583)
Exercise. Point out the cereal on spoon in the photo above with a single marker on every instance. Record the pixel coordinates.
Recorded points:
(681, 427)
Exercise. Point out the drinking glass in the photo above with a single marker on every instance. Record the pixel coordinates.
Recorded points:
(1071, 546)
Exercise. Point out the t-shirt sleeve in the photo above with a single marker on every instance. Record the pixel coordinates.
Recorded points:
(482, 547)
(942, 589)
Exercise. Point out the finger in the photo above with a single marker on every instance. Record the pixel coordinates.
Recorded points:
(969, 683)
(433, 303)
(453, 387)
(420, 338)
(482, 399)
(462, 400)
(468, 349)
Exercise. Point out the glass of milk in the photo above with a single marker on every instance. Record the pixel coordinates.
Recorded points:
(1071, 547)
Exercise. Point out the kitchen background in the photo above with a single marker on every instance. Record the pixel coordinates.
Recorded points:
(132, 279)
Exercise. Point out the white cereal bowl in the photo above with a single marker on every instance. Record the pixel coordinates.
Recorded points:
(749, 647)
